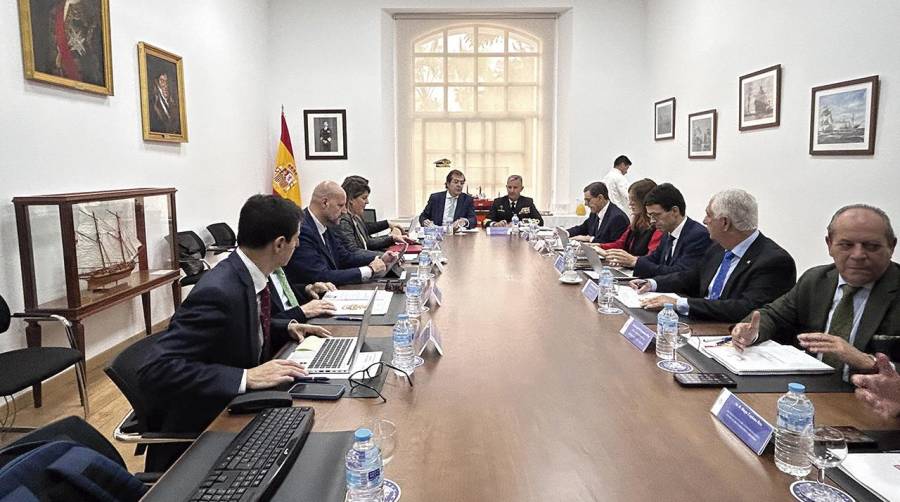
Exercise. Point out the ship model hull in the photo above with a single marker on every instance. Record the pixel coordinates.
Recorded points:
(101, 278)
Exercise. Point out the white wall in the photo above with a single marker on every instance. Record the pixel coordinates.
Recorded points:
(696, 50)
(60, 140)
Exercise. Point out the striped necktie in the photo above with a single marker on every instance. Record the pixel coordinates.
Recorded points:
(718, 283)
(842, 321)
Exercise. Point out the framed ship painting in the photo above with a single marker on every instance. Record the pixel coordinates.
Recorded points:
(843, 118)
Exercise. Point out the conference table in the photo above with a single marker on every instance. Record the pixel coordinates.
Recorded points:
(538, 397)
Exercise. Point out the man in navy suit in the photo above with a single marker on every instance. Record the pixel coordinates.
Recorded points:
(321, 256)
(220, 339)
(742, 271)
(450, 207)
(681, 248)
(606, 221)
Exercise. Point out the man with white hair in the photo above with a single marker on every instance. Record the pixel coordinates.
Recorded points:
(742, 271)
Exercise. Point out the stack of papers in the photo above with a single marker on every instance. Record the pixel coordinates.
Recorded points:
(631, 299)
(355, 301)
(877, 472)
(768, 358)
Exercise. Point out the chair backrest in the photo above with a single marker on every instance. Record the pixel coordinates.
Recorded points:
(4, 315)
(123, 371)
(369, 216)
(190, 245)
(222, 234)
(67, 429)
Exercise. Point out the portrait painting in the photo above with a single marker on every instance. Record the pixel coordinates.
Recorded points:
(162, 95)
(67, 43)
(702, 130)
(759, 103)
(843, 118)
(325, 134)
(664, 119)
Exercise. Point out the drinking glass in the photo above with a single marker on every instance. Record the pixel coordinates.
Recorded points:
(384, 433)
(682, 335)
(826, 447)
(605, 298)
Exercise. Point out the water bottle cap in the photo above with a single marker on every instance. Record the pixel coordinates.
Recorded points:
(402, 317)
(362, 434)
(796, 387)
(668, 305)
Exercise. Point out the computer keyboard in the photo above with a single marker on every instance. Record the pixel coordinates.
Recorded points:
(330, 355)
(256, 461)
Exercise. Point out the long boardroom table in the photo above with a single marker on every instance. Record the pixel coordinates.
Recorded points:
(538, 397)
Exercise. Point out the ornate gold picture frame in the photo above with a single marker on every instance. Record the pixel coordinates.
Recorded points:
(163, 114)
(67, 43)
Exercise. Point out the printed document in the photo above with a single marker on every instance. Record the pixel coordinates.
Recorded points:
(355, 301)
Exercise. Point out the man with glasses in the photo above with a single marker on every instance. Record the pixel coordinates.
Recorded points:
(683, 245)
(514, 203)
(606, 221)
(452, 206)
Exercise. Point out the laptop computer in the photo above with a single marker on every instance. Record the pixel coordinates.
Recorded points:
(596, 263)
(336, 355)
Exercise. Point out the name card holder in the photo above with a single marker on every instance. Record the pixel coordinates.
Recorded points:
(637, 333)
(539, 245)
(498, 230)
(591, 290)
(439, 266)
(752, 429)
(560, 264)
(429, 335)
(435, 298)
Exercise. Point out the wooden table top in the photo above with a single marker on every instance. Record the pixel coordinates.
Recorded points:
(539, 398)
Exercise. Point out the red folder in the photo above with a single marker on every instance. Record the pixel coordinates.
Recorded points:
(411, 249)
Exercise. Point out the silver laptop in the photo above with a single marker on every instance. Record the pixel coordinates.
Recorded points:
(593, 258)
(337, 354)
(563, 238)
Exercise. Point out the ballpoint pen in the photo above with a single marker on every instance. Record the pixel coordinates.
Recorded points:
(723, 341)
(347, 318)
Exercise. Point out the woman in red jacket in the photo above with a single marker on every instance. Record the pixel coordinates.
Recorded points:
(641, 238)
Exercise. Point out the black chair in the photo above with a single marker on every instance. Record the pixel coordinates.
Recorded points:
(224, 238)
(191, 257)
(369, 216)
(22, 368)
(134, 427)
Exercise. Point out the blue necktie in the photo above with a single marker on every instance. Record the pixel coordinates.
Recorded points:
(719, 282)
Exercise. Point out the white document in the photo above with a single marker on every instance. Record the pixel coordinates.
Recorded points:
(769, 358)
(631, 299)
(878, 472)
(701, 343)
(355, 301)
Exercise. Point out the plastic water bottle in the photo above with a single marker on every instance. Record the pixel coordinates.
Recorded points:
(666, 331)
(414, 287)
(570, 258)
(607, 287)
(404, 357)
(794, 422)
(364, 469)
(514, 225)
(424, 268)
(428, 241)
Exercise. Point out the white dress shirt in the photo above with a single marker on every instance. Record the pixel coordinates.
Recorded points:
(259, 284)
(617, 185)
(366, 272)
(450, 203)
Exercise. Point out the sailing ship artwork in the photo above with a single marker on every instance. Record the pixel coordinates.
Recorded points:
(842, 117)
(106, 245)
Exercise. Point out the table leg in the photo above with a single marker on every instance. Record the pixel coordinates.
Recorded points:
(33, 339)
(145, 301)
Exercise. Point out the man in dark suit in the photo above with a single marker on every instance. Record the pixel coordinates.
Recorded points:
(450, 207)
(321, 257)
(606, 221)
(503, 208)
(220, 339)
(682, 247)
(846, 311)
(742, 271)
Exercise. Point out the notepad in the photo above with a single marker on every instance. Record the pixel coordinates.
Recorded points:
(769, 358)
(355, 301)
(877, 472)
(631, 299)
(310, 344)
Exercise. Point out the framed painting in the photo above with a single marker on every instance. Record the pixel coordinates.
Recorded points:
(163, 114)
(325, 134)
(843, 117)
(702, 128)
(66, 43)
(759, 104)
(664, 119)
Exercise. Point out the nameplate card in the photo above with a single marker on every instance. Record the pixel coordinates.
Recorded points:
(559, 264)
(591, 290)
(539, 245)
(439, 266)
(436, 296)
(430, 335)
(637, 333)
(753, 430)
(498, 230)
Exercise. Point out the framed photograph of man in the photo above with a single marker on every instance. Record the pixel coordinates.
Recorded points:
(66, 42)
(325, 134)
(843, 118)
(664, 119)
(702, 128)
(163, 114)
(759, 104)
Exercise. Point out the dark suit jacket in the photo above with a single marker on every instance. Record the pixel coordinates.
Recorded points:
(195, 368)
(311, 261)
(351, 231)
(501, 210)
(804, 309)
(765, 272)
(689, 250)
(434, 210)
(615, 221)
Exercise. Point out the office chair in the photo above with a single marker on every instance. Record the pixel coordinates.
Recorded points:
(22, 368)
(224, 238)
(191, 254)
(369, 216)
(134, 427)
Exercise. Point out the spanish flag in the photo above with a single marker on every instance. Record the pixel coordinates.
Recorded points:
(286, 181)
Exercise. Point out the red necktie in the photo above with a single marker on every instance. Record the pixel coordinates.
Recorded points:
(265, 317)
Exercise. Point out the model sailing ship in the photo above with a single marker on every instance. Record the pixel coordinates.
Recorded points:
(106, 251)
